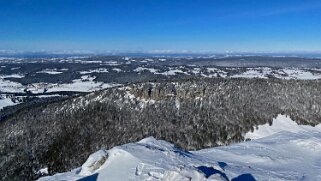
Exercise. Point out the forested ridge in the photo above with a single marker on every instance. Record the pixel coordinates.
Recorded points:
(192, 113)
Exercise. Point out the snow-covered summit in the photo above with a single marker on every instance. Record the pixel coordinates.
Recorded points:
(148, 159)
(282, 156)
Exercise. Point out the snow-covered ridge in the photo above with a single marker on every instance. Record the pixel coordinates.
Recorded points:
(263, 159)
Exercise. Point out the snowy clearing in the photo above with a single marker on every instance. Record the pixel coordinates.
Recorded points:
(99, 70)
(141, 69)
(117, 69)
(173, 72)
(9, 86)
(85, 84)
(12, 76)
(51, 71)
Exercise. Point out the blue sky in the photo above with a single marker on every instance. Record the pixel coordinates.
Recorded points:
(176, 25)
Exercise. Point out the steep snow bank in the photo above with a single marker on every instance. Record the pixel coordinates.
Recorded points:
(262, 159)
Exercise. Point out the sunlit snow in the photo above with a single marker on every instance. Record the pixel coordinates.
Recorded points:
(287, 155)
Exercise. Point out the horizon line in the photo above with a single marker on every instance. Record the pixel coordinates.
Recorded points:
(161, 51)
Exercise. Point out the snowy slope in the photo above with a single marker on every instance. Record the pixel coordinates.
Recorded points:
(284, 155)
(280, 123)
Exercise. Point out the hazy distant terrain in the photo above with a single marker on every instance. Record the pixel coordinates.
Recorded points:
(23, 79)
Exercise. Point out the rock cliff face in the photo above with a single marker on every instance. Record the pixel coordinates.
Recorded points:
(191, 113)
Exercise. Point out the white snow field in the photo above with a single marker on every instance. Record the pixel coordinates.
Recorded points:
(85, 84)
(50, 71)
(9, 86)
(285, 73)
(4, 102)
(280, 123)
(284, 155)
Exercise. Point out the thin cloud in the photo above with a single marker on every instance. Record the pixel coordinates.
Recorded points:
(274, 11)
(293, 9)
